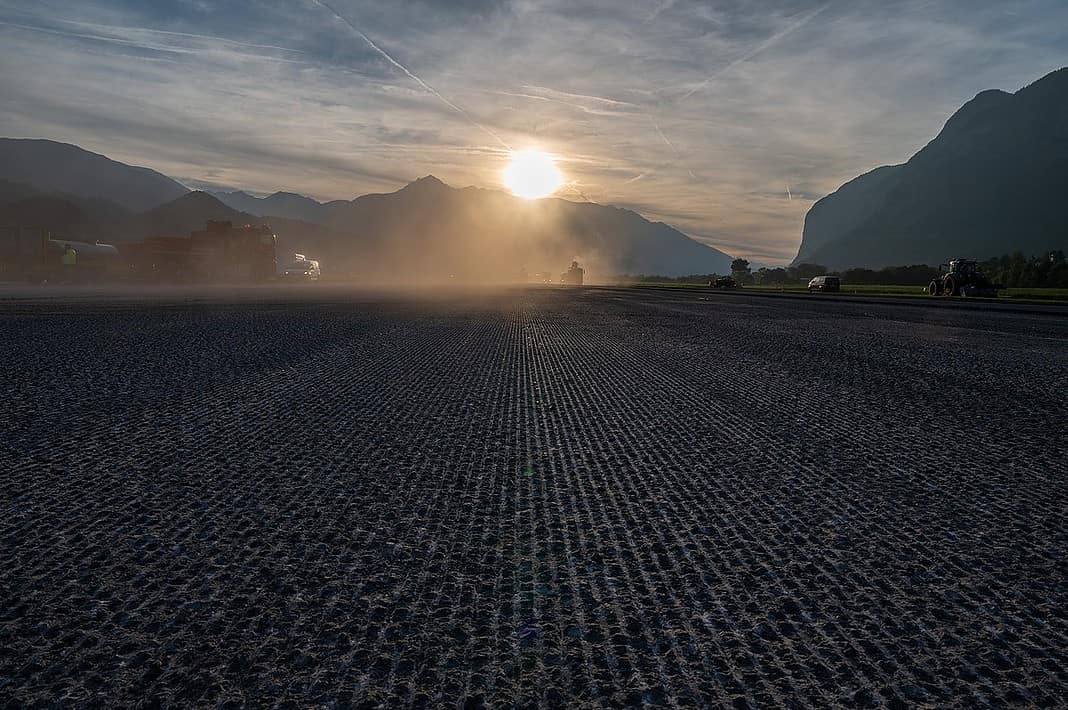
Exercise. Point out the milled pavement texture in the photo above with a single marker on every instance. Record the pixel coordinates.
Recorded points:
(530, 497)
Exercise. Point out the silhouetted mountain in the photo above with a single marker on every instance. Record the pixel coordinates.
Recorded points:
(16, 192)
(78, 220)
(425, 230)
(62, 214)
(428, 229)
(59, 167)
(281, 204)
(238, 200)
(180, 217)
(994, 181)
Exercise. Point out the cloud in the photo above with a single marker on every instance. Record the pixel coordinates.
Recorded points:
(427, 87)
(791, 92)
(793, 26)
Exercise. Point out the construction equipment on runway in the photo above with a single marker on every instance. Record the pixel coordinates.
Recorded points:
(219, 253)
(35, 255)
(301, 269)
(962, 277)
(573, 275)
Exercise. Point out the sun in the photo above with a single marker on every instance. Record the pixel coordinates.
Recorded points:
(532, 174)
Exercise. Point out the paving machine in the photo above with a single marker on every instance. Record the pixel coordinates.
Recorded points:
(573, 275)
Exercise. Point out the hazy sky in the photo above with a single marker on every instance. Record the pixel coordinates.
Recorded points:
(725, 119)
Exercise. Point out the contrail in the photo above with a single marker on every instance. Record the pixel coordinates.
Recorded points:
(792, 27)
(663, 137)
(664, 6)
(789, 29)
(675, 151)
(427, 87)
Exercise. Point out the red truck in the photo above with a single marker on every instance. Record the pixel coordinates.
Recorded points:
(219, 253)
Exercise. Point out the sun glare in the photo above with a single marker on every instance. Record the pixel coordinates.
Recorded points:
(532, 174)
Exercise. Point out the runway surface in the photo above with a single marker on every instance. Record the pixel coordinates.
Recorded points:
(580, 497)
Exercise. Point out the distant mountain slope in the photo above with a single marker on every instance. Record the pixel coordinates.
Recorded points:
(16, 191)
(58, 167)
(838, 214)
(281, 204)
(79, 218)
(66, 218)
(62, 214)
(994, 181)
(428, 228)
(181, 216)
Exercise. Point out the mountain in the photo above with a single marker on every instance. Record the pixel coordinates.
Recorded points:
(11, 192)
(87, 219)
(181, 216)
(59, 167)
(78, 220)
(429, 230)
(992, 182)
(424, 231)
(281, 204)
(66, 215)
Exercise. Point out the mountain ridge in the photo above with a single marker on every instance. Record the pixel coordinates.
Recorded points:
(991, 182)
(52, 166)
(422, 230)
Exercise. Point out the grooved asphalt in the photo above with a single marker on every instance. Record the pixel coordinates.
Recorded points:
(583, 497)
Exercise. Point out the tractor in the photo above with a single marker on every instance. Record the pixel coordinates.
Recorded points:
(962, 277)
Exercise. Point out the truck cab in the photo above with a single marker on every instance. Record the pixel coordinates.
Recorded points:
(301, 268)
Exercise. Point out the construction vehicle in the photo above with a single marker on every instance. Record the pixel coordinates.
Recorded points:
(962, 277)
(36, 256)
(221, 253)
(301, 269)
(573, 275)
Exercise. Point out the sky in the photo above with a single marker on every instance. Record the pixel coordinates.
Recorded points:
(726, 119)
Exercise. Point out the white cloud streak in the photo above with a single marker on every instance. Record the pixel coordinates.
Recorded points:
(427, 87)
(757, 49)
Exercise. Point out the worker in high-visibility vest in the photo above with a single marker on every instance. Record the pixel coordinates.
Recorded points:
(70, 262)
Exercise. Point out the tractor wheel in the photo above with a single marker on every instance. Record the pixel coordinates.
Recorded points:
(934, 288)
(950, 286)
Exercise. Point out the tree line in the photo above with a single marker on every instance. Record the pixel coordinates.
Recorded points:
(1049, 270)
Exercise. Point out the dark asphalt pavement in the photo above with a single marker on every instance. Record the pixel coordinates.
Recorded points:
(556, 497)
